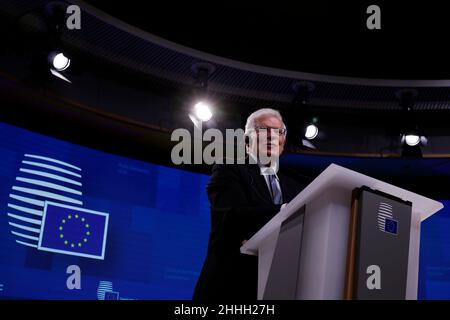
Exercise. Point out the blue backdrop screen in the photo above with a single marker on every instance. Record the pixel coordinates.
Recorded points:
(156, 234)
(131, 229)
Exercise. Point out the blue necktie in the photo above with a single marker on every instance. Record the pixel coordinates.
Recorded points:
(275, 189)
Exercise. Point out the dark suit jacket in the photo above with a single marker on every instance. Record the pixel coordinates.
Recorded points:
(240, 205)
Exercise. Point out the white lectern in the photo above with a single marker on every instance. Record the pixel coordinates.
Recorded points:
(322, 258)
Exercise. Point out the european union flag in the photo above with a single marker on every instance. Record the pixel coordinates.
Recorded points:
(74, 231)
(390, 226)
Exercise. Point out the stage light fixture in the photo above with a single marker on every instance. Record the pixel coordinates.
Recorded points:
(202, 111)
(311, 131)
(412, 139)
(59, 61)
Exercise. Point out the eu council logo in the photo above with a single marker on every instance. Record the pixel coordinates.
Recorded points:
(46, 210)
(386, 221)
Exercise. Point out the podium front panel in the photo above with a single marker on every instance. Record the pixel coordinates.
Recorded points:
(382, 246)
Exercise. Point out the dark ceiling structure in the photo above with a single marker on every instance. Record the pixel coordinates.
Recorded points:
(325, 37)
(248, 74)
(258, 53)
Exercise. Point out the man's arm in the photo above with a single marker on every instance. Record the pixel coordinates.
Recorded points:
(231, 210)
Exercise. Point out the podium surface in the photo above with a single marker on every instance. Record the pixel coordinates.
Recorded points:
(325, 230)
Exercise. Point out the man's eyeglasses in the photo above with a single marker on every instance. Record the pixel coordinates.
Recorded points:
(280, 131)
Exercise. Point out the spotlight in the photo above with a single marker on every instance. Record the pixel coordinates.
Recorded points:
(412, 139)
(59, 61)
(411, 144)
(311, 131)
(413, 136)
(202, 111)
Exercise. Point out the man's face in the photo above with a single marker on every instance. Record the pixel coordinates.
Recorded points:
(271, 136)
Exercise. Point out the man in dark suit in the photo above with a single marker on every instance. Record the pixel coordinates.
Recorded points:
(243, 198)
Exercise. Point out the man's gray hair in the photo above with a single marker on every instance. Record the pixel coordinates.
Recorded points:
(258, 114)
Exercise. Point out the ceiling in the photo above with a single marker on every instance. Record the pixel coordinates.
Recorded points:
(326, 37)
(257, 54)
